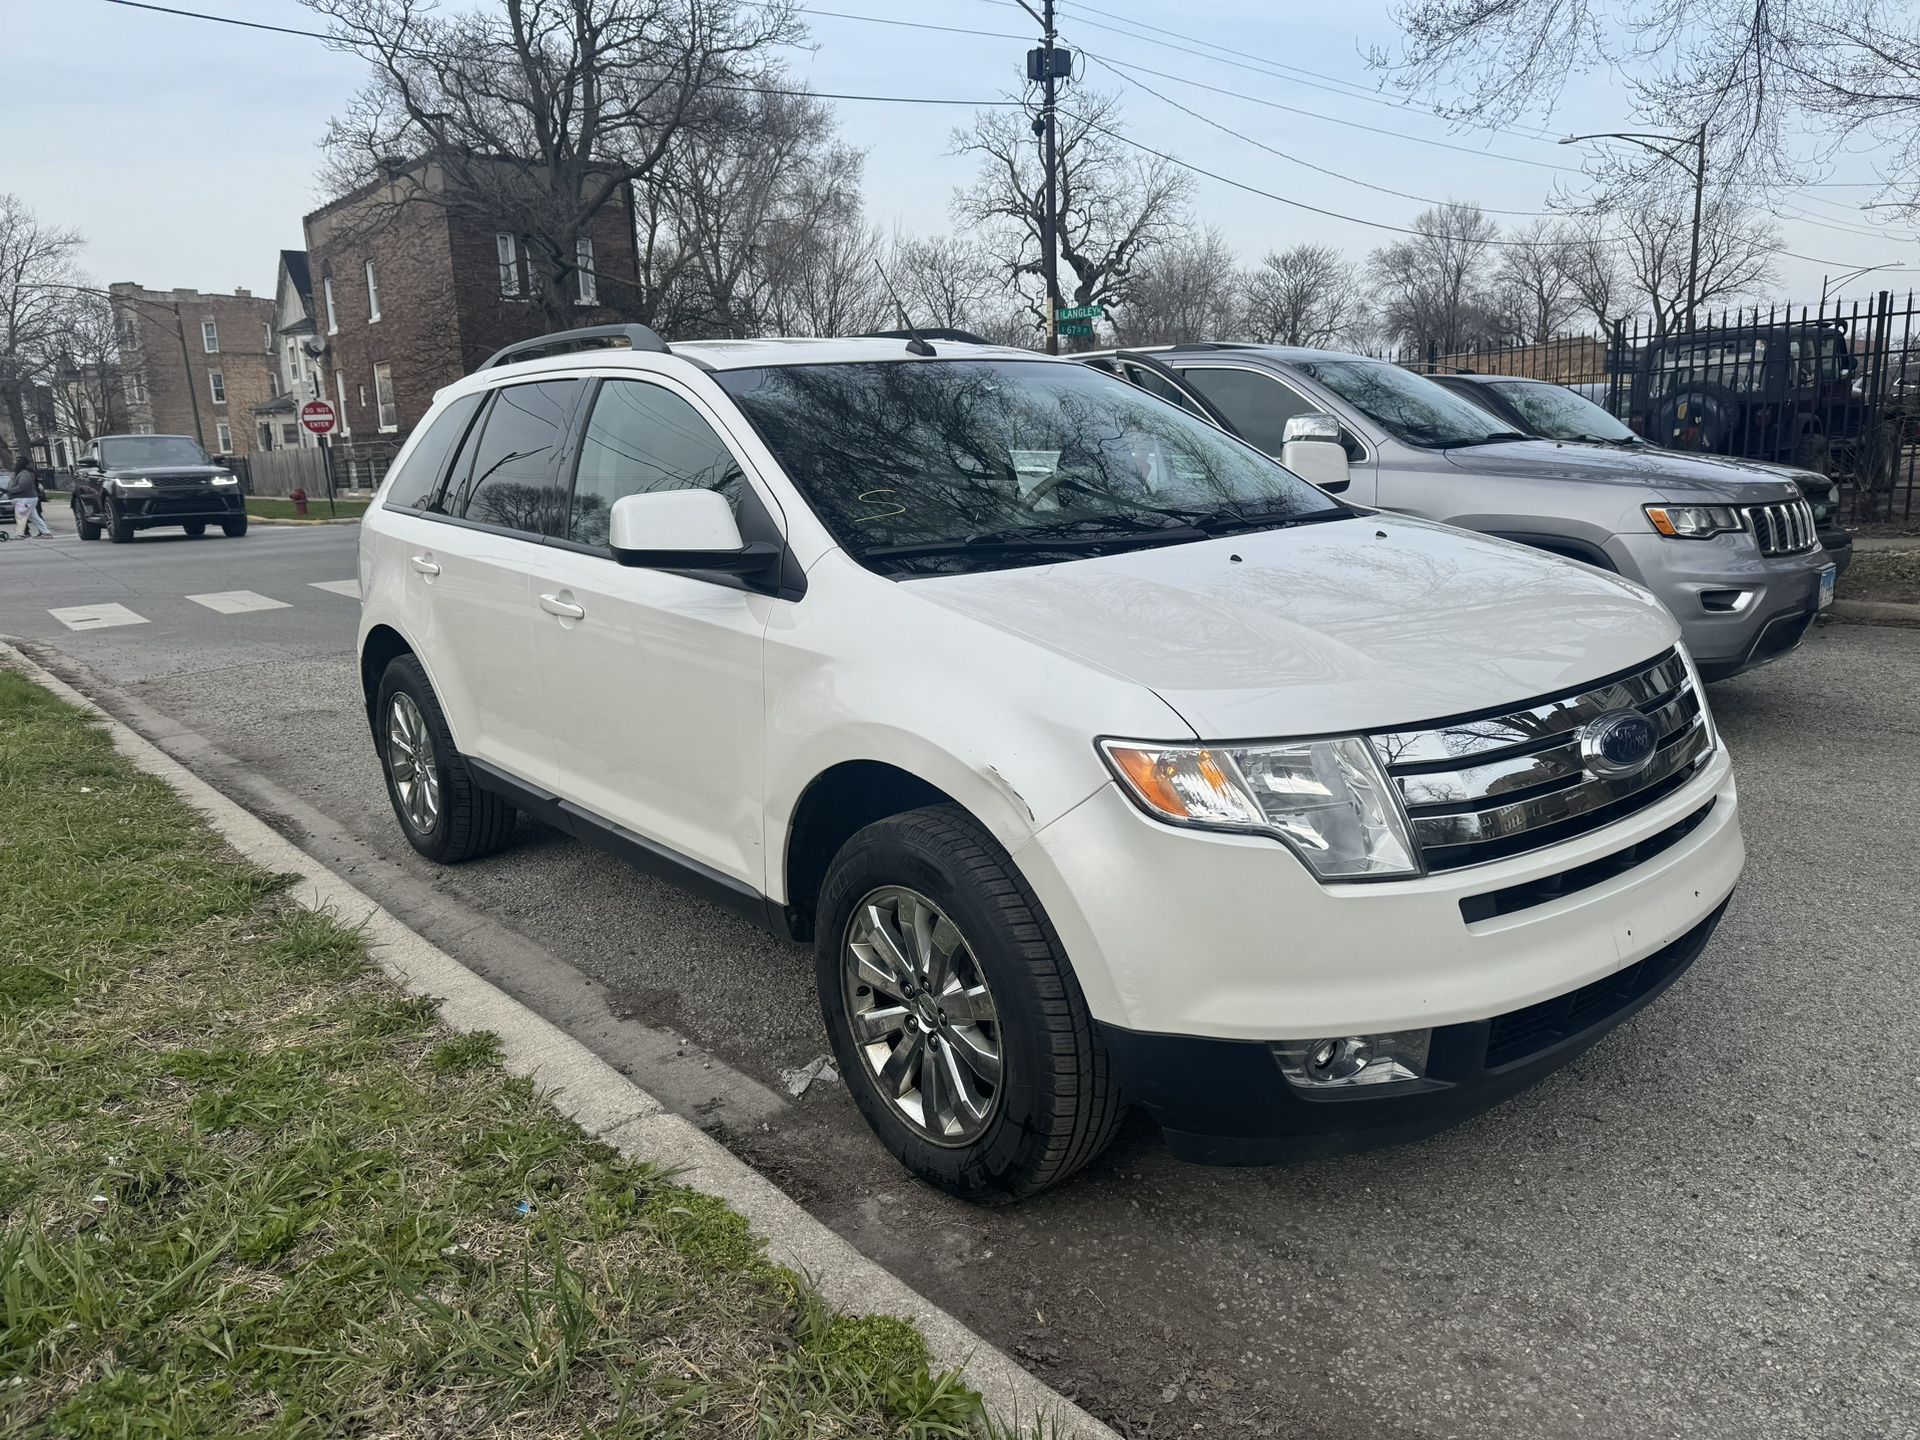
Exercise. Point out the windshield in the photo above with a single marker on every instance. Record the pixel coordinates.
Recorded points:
(136, 452)
(1558, 413)
(1410, 407)
(973, 464)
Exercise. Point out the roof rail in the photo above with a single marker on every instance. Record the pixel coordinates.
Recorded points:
(956, 337)
(1214, 345)
(591, 337)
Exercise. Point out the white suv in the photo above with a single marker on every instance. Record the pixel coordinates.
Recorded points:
(1103, 759)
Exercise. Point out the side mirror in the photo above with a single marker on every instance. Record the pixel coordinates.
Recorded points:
(685, 530)
(1311, 448)
(88, 464)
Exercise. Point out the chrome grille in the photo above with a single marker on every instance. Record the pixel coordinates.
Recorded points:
(1486, 787)
(1782, 529)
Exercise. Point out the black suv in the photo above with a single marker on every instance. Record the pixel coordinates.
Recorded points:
(126, 483)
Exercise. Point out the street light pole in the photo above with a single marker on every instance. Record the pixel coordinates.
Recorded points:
(1827, 280)
(1698, 170)
(1041, 67)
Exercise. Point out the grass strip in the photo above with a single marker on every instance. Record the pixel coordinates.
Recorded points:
(249, 1187)
(269, 507)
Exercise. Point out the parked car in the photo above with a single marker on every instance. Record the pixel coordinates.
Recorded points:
(1786, 391)
(1734, 555)
(125, 483)
(1560, 412)
(1100, 758)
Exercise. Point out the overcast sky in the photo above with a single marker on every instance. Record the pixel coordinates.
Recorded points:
(185, 150)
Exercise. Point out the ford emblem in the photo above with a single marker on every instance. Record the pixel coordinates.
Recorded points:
(1618, 744)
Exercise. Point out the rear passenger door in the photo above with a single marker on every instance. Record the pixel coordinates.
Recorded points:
(477, 541)
(653, 678)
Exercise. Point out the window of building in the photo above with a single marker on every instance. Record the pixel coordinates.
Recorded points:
(340, 394)
(210, 336)
(588, 292)
(143, 429)
(421, 483)
(217, 383)
(642, 438)
(361, 391)
(136, 389)
(265, 435)
(373, 295)
(383, 397)
(313, 388)
(129, 330)
(266, 337)
(289, 432)
(333, 316)
(511, 482)
(223, 437)
(509, 264)
(534, 282)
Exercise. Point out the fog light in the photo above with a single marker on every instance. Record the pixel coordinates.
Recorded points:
(1355, 1059)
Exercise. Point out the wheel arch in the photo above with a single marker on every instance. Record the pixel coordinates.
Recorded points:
(379, 648)
(837, 803)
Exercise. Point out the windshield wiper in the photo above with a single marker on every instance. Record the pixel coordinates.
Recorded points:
(1492, 437)
(1020, 542)
(1229, 517)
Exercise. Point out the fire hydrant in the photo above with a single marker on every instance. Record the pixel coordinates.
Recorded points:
(299, 498)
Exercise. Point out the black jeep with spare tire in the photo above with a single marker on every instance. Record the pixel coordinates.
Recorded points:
(126, 483)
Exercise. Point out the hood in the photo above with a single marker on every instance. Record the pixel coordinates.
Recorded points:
(1668, 474)
(1370, 623)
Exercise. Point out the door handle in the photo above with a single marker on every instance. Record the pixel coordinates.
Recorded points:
(425, 566)
(566, 610)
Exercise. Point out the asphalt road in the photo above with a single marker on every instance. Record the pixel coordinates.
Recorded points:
(1707, 1226)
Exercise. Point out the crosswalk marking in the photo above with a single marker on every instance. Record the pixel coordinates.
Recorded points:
(348, 588)
(96, 617)
(237, 602)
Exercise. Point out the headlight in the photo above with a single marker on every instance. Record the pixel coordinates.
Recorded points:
(134, 484)
(1325, 799)
(1693, 522)
(225, 480)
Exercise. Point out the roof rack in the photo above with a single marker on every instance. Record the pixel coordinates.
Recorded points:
(1213, 345)
(591, 337)
(956, 337)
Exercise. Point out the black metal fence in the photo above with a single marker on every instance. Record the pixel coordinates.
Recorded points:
(1833, 388)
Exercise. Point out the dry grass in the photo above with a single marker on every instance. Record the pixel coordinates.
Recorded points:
(1888, 575)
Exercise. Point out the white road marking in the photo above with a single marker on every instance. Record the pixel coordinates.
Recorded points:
(237, 602)
(348, 588)
(96, 617)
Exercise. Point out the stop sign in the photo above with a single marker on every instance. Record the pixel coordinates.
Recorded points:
(317, 416)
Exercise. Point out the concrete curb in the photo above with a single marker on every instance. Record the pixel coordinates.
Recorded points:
(602, 1101)
(1874, 612)
(339, 520)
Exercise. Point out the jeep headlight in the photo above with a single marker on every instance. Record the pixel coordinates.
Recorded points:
(1326, 800)
(1693, 522)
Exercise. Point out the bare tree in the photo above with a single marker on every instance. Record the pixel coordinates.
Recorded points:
(1736, 253)
(1304, 295)
(1594, 275)
(37, 280)
(945, 282)
(89, 395)
(1782, 85)
(1432, 286)
(536, 113)
(1115, 205)
(1534, 282)
(1186, 289)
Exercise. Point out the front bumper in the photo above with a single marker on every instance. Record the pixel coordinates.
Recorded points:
(174, 507)
(1226, 1102)
(1773, 599)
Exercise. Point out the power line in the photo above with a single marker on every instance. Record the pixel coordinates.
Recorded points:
(218, 19)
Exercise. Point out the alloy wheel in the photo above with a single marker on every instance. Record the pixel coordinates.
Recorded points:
(922, 1016)
(410, 759)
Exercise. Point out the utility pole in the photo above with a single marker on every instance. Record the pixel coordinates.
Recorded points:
(186, 366)
(1699, 200)
(1049, 65)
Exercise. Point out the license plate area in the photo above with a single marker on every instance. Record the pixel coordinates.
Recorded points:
(1828, 575)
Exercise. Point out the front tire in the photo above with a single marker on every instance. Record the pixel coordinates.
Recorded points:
(975, 1062)
(233, 529)
(447, 817)
(87, 529)
(195, 528)
(119, 528)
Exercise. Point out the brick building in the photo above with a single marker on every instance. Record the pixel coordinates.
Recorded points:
(410, 293)
(211, 391)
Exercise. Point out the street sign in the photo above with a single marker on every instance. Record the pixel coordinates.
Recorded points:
(317, 416)
(1082, 312)
(1078, 330)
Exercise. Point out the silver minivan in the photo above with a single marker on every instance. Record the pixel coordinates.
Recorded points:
(1734, 555)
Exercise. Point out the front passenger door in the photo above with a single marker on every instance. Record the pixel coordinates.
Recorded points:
(1259, 405)
(652, 678)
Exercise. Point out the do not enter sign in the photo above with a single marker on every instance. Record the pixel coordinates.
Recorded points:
(317, 416)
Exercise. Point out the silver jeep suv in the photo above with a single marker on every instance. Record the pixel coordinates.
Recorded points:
(1733, 554)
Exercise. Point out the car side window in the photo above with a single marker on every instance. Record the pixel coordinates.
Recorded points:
(642, 438)
(1258, 405)
(512, 479)
(421, 485)
(1155, 383)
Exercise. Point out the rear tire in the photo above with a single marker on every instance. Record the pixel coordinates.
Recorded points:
(447, 817)
(1055, 1104)
(235, 528)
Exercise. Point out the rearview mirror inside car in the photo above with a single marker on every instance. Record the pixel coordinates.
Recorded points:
(685, 530)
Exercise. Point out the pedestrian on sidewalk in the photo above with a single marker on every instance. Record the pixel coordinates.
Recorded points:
(24, 491)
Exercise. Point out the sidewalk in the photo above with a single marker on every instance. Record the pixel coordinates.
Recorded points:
(253, 1184)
